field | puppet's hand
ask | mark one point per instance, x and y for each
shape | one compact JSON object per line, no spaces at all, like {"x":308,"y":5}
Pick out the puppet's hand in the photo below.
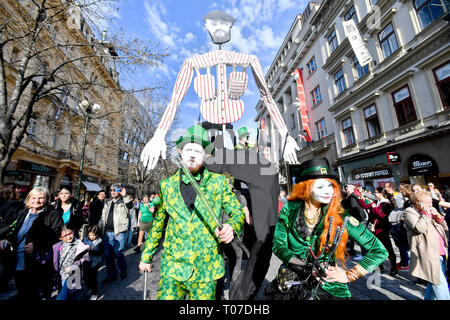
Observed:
{"x":289,"y":151}
{"x":153,"y":149}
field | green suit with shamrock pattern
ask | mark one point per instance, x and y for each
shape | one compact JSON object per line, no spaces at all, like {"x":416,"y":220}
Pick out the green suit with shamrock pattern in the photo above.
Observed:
{"x":191,"y":261}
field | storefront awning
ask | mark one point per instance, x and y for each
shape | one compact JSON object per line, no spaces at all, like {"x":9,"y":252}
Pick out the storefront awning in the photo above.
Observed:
{"x":91,"y":186}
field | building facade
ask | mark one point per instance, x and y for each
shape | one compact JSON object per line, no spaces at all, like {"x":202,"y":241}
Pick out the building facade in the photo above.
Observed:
{"x":389,"y":119}
{"x":301,"y":49}
{"x":391,"y":116}
{"x":50,"y":152}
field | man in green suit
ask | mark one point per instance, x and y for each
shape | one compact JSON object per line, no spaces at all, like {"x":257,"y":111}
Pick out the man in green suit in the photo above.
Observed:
{"x":191,"y":262}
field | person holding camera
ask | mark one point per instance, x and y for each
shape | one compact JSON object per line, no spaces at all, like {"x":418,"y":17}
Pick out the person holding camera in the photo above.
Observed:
{"x":114,"y":226}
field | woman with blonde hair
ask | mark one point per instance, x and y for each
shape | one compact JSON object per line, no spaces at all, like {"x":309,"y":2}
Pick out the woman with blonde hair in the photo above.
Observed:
{"x":428,"y":239}
{"x":34,"y":231}
{"x":303,"y":232}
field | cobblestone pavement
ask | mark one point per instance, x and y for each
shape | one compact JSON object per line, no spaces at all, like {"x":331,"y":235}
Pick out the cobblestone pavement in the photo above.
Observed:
{"x":376,"y":286}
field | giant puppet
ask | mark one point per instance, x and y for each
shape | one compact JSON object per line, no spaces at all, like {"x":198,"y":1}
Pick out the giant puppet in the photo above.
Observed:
{"x":221,"y":105}
{"x":220,"y":97}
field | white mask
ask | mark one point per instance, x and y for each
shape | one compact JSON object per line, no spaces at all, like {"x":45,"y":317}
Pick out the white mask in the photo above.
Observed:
{"x":193,"y":155}
{"x":322,"y":191}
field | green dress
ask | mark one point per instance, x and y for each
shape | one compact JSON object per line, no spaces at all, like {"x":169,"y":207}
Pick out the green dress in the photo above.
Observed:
{"x":289,"y":241}
{"x":191,"y":249}
{"x":146,"y":214}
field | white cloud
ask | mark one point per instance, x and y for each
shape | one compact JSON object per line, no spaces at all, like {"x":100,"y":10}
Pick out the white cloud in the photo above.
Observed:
{"x":192,"y":104}
{"x":189,"y":37}
{"x":286,"y":4}
{"x":160,"y":29}
{"x":268,"y":38}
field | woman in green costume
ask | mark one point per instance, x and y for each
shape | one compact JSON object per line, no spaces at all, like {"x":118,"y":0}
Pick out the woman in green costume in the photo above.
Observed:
{"x":303,"y":229}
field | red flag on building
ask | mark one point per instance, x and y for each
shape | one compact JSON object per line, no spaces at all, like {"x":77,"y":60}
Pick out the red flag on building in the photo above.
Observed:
{"x":301,"y":101}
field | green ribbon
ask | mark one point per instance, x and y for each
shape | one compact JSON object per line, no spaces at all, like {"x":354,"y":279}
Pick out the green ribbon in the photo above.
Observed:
{"x":316,"y":169}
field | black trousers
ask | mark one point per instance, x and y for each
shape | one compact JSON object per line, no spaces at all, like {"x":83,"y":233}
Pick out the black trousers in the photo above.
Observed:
{"x":253,"y":273}
{"x":90,"y":278}
{"x":386,"y":241}
{"x":34,"y":280}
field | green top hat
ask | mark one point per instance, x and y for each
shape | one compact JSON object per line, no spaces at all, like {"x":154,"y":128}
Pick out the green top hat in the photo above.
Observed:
{"x":242,"y":132}
{"x":317,"y":168}
{"x":195,"y":134}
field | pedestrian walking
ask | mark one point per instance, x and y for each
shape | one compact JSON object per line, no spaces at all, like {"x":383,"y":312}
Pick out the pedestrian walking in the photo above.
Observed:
{"x":145,"y":220}
{"x":379,"y":218}
{"x":351,"y":204}
{"x":113,"y":227}
{"x":68,"y":257}
{"x":96,"y":250}
{"x":35,"y":229}
{"x":96,"y":208}
{"x":428,"y":239}
{"x":69,"y":209}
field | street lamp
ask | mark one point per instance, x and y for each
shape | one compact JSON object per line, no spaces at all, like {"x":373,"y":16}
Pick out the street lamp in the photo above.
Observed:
{"x":86,"y":110}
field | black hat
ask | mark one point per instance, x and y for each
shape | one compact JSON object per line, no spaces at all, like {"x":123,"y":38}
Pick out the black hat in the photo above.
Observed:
{"x":317,"y":168}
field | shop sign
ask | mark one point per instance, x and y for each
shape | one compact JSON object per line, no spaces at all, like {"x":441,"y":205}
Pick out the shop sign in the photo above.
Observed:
{"x":376,"y":172}
{"x":421,"y":164}
{"x":393,"y":157}
{"x":12,"y":173}
{"x":36,"y":168}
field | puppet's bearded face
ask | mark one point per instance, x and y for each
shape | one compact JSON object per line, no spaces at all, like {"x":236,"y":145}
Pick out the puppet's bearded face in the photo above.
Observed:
{"x":193,"y":156}
{"x":322,"y":191}
{"x":219,"y":30}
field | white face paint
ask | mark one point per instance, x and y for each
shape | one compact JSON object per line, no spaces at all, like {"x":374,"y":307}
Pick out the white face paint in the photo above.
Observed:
{"x":322,"y":191}
{"x":193,"y":155}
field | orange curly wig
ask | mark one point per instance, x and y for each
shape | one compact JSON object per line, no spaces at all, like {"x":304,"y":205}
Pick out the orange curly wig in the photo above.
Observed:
{"x":302,"y":191}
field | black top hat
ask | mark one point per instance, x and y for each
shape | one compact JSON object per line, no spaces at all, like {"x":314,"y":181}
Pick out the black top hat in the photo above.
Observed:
{"x":317,"y":168}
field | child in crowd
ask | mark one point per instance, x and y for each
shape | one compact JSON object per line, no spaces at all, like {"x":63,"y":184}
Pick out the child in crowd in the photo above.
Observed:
{"x":68,"y":256}
{"x":96,"y":249}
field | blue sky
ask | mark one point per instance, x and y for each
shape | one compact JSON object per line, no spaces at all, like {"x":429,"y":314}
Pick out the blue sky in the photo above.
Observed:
{"x":178,"y":25}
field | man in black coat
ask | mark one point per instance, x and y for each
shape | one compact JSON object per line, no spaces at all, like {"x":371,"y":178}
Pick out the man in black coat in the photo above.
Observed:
{"x":351,"y":205}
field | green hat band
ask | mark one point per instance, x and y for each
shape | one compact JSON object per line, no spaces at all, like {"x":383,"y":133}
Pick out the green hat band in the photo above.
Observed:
{"x":317,"y":169}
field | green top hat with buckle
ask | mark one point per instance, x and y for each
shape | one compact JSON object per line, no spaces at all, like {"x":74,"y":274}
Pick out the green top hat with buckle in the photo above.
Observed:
{"x":195,"y":134}
{"x":242,"y":132}
{"x":317,"y":168}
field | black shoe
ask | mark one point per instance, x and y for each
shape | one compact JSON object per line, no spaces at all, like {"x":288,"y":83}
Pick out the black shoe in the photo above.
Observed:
{"x":108,"y":279}
{"x":393,"y":273}
{"x":123,"y":275}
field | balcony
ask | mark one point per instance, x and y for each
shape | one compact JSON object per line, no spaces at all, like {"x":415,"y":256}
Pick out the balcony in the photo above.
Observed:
{"x":319,"y":146}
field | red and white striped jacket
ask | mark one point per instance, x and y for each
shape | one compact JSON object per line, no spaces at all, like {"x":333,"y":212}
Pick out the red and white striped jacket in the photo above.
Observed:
{"x":221,"y":105}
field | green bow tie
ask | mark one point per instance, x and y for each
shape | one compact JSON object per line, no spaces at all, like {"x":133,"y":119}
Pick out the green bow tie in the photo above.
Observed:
{"x":197,"y":177}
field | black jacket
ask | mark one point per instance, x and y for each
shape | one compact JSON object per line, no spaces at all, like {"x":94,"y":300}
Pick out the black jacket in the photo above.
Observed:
{"x":76,"y":215}
{"x":95,"y":211}
{"x":44,"y":232}
{"x":351,"y":205}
